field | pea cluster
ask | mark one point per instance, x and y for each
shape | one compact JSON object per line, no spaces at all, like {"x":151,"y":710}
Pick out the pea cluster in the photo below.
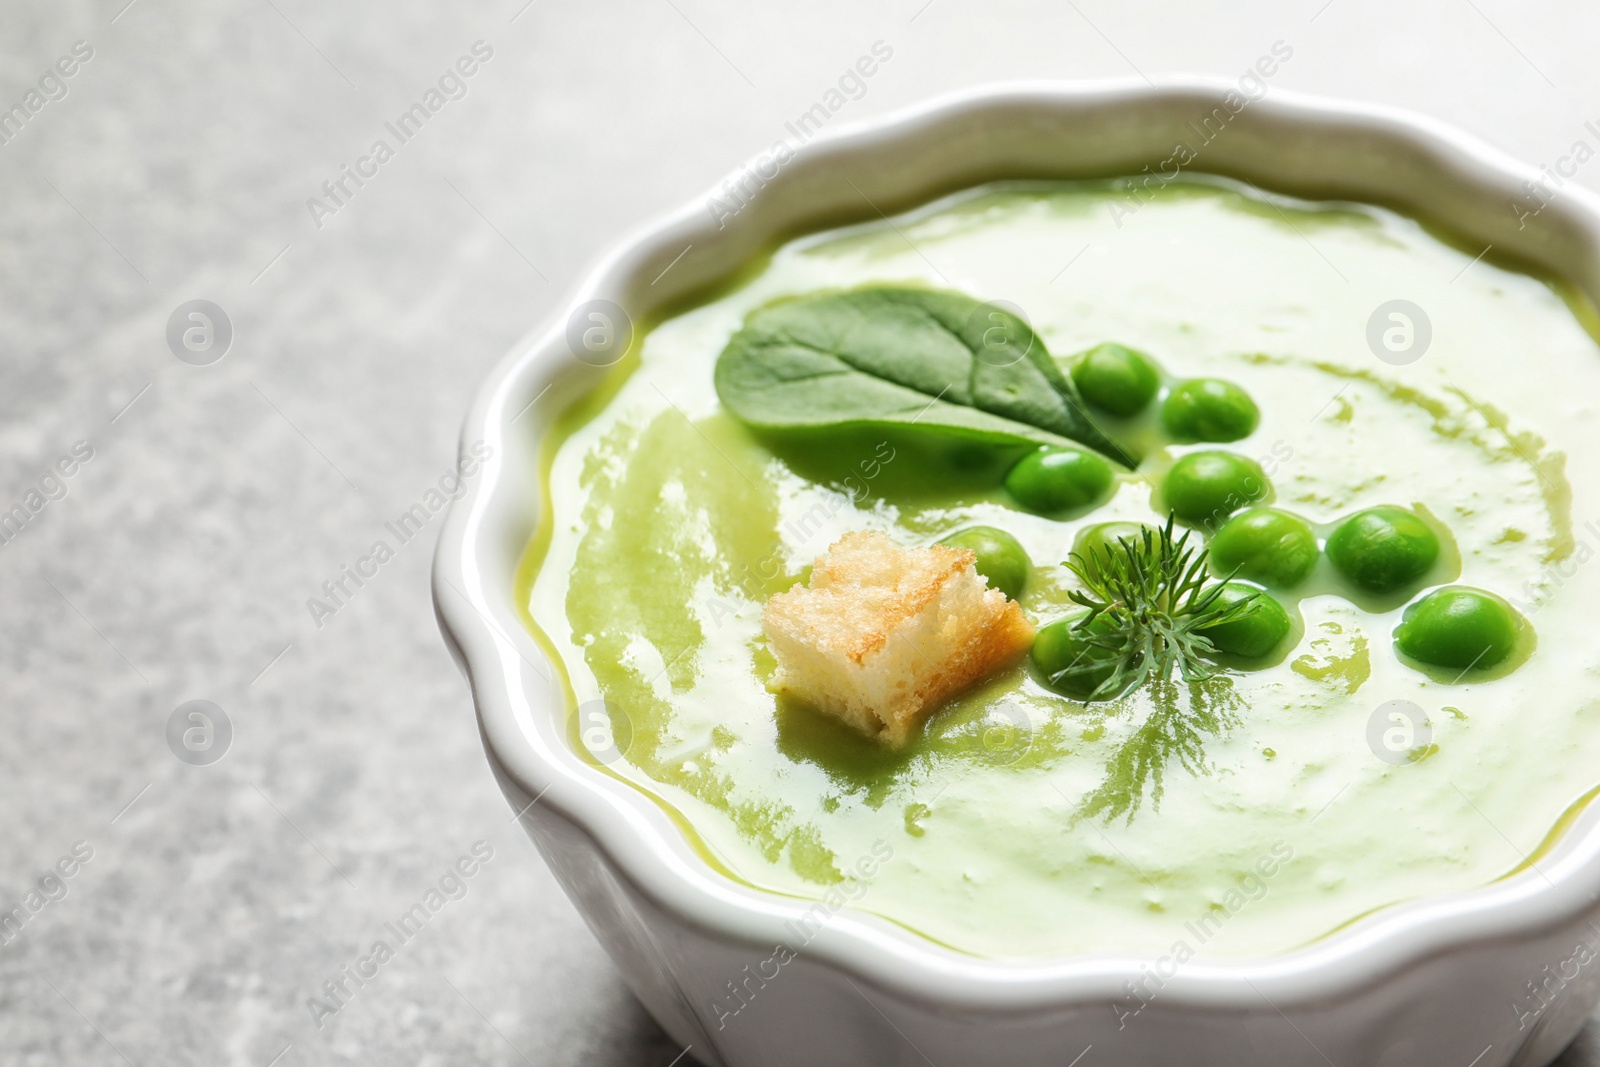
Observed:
{"x":1259,"y":549}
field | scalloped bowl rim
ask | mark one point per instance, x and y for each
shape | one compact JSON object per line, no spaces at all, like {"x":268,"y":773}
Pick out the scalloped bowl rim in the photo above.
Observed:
{"x":642,"y":846}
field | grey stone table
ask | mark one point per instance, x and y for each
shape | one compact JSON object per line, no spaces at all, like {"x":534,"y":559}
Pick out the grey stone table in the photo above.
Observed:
{"x":173,"y":150}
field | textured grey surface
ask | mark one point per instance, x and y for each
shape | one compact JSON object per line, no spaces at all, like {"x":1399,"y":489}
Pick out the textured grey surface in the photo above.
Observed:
{"x":178,"y":564}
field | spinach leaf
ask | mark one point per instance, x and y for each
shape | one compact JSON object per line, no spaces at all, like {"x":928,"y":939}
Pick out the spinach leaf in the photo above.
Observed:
{"x":936,"y":360}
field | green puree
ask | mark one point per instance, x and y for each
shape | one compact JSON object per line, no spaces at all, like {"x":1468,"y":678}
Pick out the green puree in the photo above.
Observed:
{"x":1023,"y":823}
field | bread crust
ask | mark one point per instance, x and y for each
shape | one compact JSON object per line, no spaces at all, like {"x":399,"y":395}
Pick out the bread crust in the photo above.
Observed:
{"x":881,"y":635}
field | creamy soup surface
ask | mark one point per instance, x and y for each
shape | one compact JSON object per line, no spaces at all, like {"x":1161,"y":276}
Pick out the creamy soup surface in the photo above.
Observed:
{"x":1316,"y":801}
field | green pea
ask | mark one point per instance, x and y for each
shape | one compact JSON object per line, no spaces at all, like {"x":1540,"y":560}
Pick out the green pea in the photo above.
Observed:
{"x":1383,"y":548}
{"x":1265,"y":545}
{"x":1257,"y":631}
{"x":1209,"y":409}
{"x":1204,"y":488}
{"x":1118,"y":379}
{"x":1093,"y":542}
{"x":1001,"y":558}
{"x":1067,"y":662}
{"x":1059,"y":479}
{"x":1458,"y":627}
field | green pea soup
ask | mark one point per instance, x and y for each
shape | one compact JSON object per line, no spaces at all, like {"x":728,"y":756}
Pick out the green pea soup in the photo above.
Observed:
{"x":1022,"y":823}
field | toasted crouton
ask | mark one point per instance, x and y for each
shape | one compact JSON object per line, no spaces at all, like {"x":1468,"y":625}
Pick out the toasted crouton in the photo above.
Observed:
{"x":883,"y":634}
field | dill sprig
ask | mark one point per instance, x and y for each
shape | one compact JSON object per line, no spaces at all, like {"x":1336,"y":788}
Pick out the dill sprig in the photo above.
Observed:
{"x":1149,"y":599}
{"x":1180,"y":721}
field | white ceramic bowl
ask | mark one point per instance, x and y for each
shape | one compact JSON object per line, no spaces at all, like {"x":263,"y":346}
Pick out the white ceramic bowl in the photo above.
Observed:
{"x":1438,"y":981}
